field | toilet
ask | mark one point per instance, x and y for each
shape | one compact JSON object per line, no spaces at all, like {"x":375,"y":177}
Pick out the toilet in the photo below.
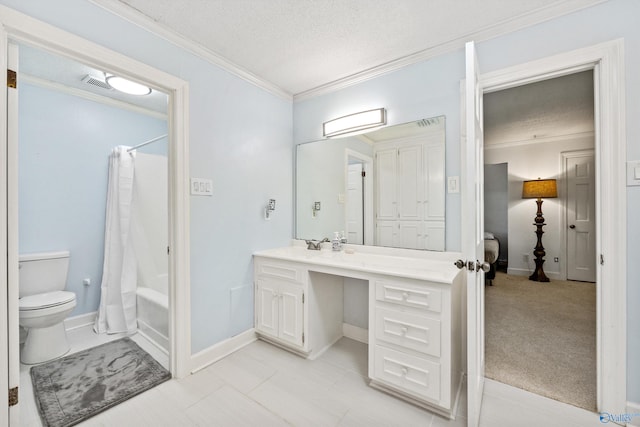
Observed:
{"x":44,"y":305}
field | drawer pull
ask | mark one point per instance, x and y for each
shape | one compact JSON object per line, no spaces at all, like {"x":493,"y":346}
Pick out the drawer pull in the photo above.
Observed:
{"x":403,"y":331}
{"x":405,"y":371}
{"x":405,"y":296}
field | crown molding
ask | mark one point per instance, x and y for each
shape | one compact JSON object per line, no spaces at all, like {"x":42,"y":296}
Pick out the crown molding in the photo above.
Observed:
{"x":504,"y":27}
{"x":139,"y":19}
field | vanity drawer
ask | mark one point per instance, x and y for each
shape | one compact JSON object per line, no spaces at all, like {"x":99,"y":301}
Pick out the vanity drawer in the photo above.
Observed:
{"x":409,"y":294}
{"x":279,"y":271}
{"x":408,"y":330}
{"x":412,"y":374}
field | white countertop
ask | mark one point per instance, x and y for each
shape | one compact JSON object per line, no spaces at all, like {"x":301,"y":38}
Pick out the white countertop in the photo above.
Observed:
{"x":421,"y":265}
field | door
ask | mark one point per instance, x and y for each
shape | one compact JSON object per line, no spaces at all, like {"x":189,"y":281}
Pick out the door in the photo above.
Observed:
{"x":355,"y":204}
{"x":386,"y":184}
{"x":472,"y":234}
{"x":581,"y":224}
{"x":267,"y":307}
{"x":291,"y":321}
{"x":410,"y":178}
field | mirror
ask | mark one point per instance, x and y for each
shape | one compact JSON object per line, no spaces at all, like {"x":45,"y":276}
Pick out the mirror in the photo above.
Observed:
{"x":383,"y":188}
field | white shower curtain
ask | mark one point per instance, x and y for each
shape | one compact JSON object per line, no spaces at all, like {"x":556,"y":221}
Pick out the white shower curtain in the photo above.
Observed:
{"x":117,"y":311}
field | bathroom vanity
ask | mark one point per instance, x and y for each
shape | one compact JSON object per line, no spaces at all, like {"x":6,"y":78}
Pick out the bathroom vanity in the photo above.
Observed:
{"x":415,"y":325}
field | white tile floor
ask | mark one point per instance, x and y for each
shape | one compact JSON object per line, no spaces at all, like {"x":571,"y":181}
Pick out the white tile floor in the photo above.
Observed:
{"x":262,"y":385}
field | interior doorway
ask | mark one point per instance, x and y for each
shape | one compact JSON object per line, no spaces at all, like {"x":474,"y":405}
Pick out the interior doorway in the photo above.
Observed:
{"x":22,"y":29}
{"x":548,"y":134}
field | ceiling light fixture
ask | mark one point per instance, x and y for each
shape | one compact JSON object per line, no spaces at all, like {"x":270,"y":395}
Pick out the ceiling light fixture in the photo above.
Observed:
{"x":127,"y":86}
{"x":354,"y":124}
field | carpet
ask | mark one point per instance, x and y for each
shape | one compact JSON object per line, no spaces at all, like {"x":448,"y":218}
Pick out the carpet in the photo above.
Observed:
{"x":541,"y":337}
{"x":76,"y":387}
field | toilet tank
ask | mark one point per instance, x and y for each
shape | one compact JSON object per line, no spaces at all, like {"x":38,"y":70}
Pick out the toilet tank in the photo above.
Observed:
{"x":42,"y":272}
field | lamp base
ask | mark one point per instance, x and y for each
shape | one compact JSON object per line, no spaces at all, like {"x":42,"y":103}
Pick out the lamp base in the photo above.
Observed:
{"x":539,"y":276}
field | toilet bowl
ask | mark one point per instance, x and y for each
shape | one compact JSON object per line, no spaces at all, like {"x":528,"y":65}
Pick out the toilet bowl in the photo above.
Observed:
{"x":43,"y":305}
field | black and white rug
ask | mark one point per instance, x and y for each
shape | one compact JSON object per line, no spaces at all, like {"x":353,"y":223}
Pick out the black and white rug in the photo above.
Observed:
{"x":76,"y":387}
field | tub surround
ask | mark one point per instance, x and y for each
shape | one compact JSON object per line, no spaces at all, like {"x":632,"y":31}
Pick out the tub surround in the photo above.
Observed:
{"x":415,"y":331}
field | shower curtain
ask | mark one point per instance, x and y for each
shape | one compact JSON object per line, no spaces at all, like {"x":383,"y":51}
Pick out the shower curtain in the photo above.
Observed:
{"x":117,"y":311}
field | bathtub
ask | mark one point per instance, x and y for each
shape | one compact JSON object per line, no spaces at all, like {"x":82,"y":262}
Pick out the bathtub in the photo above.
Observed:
{"x":153,"y":316}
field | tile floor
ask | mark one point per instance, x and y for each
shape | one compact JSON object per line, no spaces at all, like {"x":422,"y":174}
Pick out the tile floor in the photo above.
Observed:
{"x":262,"y":385}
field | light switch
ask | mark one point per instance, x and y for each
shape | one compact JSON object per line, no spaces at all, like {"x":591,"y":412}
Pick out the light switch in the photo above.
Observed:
{"x":633,"y":173}
{"x":340,"y":197}
{"x":201,"y":187}
{"x":453,"y":184}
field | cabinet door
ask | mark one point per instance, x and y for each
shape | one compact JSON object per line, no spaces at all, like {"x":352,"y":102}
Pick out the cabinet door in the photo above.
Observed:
{"x":410,"y":235}
{"x":291,"y":313}
{"x":386,"y":165}
{"x":386,"y":232}
{"x":410,"y":182}
{"x":267,"y":307}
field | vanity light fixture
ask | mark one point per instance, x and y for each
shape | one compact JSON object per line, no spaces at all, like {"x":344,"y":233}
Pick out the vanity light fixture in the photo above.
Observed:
{"x":127,"y":86}
{"x":354,"y":124}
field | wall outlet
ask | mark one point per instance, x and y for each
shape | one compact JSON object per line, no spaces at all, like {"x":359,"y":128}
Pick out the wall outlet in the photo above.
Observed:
{"x":201,"y":187}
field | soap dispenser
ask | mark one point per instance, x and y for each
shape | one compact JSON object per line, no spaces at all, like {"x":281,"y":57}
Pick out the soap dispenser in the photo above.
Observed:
{"x":343,"y":238}
{"x":335,"y":243}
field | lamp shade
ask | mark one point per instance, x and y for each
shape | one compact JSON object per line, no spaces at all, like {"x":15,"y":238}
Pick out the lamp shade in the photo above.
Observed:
{"x":355,"y":123}
{"x":540,"y":189}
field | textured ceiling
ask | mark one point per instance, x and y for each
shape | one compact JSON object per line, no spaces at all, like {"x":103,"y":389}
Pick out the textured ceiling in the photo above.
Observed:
{"x":560,"y":106}
{"x":299,"y":45}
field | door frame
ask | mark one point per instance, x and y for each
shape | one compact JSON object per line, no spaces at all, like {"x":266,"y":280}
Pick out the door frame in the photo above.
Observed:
{"x":22,"y":28}
{"x":367,"y":192}
{"x":564,"y":195}
{"x":607,"y":61}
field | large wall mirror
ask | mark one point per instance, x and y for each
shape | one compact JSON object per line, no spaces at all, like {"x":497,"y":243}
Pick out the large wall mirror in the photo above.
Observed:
{"x":383,"y":188}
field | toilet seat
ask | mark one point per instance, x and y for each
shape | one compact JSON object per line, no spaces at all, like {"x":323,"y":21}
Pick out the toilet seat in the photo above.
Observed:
{"x":45,"y":300}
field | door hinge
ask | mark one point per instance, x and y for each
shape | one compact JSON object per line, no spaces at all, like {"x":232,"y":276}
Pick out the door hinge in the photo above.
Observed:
{"x":13,"y":396}
{"x":303,"y":298}
{"x":303,"y":338}
{"x":12,"y":79}
{"x":364,"y":174}
{"x":601,"y":259}
{"x":168,"y":252}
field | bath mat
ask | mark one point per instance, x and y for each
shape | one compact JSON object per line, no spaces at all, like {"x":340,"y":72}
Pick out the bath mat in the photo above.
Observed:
{"x":76,"y":387}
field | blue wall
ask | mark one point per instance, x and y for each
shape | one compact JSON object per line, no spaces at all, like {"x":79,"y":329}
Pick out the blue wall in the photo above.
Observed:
{"x":431,"y":88}
{"x":239,"y":136}
{"x":64,"y":144}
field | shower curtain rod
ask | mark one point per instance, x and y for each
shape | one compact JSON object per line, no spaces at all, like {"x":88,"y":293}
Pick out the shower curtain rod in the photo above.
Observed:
{"x":147,"y":142}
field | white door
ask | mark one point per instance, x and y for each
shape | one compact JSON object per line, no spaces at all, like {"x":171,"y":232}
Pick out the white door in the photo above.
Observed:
{"x":410,"y":178}
{"x":386,"y":163}
{"x":472,"y":234}
{"x":267,"y":307}
{"x":581,"y":224}
{"x":355,"y":204}
{"x":291,"y":321}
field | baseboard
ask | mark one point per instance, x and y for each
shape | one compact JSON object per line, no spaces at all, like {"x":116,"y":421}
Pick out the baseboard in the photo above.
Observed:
{"x":210,"y":355}
{"x":526,"y":272}
{"x":80,"y":321}
{"x":355,"y":333}
{"x":633,"y":410}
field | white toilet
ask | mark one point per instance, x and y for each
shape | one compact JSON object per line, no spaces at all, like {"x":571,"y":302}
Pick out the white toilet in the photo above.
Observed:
{"x":44,"y":305}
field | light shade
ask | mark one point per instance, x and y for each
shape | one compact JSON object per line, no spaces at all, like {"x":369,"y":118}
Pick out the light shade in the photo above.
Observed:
{"x":355,"y":123}
{"x":540,"y":189}
{"x":127,"y":86}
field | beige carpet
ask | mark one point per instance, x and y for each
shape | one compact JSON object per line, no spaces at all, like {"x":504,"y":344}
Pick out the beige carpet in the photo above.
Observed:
{"x":541,"y":337}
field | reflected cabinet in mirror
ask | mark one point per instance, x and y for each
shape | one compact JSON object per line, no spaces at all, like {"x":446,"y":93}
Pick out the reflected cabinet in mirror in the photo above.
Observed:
{"x":384,"y":188}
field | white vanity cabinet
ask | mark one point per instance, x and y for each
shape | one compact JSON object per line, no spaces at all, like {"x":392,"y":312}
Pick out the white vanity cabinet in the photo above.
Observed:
{"x":280,"y":290}
{"x":415,"y":330}
{"x":415,"y":340}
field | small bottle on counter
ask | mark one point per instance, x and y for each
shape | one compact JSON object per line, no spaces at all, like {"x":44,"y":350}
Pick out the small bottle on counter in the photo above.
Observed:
{"x":335,"y":243}
{"x":343,"y":238}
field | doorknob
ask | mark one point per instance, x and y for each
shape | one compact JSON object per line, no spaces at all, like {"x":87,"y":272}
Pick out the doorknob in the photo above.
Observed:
{"x":460,"y":264}
{"x":484,"y":266}
{"x":572,"y":226}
